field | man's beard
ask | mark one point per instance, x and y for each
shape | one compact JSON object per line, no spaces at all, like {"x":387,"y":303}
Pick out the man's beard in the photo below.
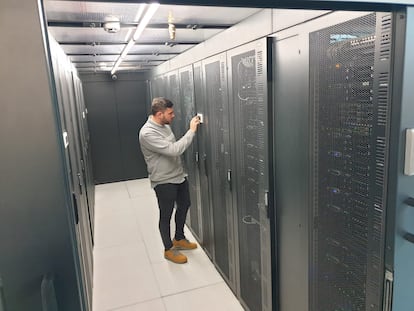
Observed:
{"x":165,"y":121}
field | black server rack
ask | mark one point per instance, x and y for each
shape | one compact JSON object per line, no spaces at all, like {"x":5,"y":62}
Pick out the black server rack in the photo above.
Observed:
{"x":206,"y":230}
{"x":82,"y":112}
{"x":291,"y":169}
{"x":350,"y":69}
{"x":218,"y":160}
{"x":248,"y":73}
{"x":158,"y":87}
{"x":73,"y":157}
{"x":191,"y":157}
{"x":172,"y":92}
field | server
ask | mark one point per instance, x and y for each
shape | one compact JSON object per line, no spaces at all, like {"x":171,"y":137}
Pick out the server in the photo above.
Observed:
{"x":328,"y":146}
{"x":230,"y":167}
{"x":346,"y":128}
{"x":314,"y":148}
{"x":46,"y":238}
{"x":248,"y":76}
{"x":205,"y":194}
{"x":75,"y":160}
{"x":351,"y":79}
{"x":191,"y":156}
{"x":218,"y":159}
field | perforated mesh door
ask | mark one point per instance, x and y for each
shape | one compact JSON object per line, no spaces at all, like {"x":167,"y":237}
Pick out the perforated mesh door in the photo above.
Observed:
{"x":350,"y":83}
{"x":158,"y":87}
{"x":250,"y":123}
{"x":173,"y":92}
{"x":188,"y":112}
{"x":218,"y":126}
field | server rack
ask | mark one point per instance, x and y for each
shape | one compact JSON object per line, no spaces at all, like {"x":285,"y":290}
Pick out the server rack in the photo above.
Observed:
{"x":203,"y":133}
{"x":350,"y":81}
{"x":81,"y":113}
{"x":191,"y":157}
{"x":231,"y":170}
{"x":323,"y":88}
{"x":247,"y":75}
{"x":218,"y":161}
{"x":173,"y":93}
{"x":290,"y":60}
{"x":73,"y":158}
{"x":158,"y":87}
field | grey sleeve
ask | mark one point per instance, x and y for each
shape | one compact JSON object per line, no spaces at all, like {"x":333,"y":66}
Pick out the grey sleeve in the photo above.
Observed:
{"x":157,"y":143}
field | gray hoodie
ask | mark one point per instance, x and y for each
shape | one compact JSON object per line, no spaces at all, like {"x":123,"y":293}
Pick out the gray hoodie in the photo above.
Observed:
{"x":162,"y":152}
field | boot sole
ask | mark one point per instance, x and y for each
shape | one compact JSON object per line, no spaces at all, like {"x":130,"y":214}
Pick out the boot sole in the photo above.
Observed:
{"x":183,"y":248}
{"x":177,"y":262}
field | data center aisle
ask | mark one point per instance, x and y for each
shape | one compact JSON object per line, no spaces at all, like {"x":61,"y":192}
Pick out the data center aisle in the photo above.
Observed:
{"x":130,"y":272}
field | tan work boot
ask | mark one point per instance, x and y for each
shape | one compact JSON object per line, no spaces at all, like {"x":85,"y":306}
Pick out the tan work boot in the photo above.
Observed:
{"x":175,"y":256}
{"x":184,"y":244}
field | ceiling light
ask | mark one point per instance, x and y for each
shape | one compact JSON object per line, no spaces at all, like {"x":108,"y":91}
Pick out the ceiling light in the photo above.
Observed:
{"x":136,"y":19}
{"x":138,"y":31}
{"x":127,"y":48}
{"x":139,"y":13}
{"x":128,"y":34}
{"x":145,"y":20}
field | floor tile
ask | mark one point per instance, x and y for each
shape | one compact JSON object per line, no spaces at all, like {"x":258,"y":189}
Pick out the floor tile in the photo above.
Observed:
{"x":118,"y":228}
{"x":122,"y":276}
{"x":130,"y":271}
{"x":139,"y":187}
{"x":146,"y":214}
{"x":153,"y":305}
{"x":213,"y":297}
{"x":113,"y":205}
{"x":155,"y":249}
{"x":112,"y":191}
{"x":147,"y":206}
{"x":197,"y":272}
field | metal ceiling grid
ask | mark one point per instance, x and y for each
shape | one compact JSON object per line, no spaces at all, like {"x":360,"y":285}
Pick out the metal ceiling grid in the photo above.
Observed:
{"x":78,"y":26}
{"x":80,"y":11}
{"x":117,"y":48}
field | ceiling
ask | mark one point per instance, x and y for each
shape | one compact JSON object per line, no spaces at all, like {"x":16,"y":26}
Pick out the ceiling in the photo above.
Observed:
{"x":78,"y":26}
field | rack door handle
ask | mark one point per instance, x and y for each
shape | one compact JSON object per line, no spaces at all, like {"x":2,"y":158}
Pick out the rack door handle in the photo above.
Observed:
{"x":80,"y":183}
{"x":229,"y":178}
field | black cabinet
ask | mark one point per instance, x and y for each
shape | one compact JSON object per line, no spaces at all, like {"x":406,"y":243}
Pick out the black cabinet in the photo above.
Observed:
{"x":116,"y":112}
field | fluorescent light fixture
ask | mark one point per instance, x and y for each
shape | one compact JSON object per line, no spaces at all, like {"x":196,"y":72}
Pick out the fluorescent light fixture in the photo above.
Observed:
{"x":128,"y":34}
{"x":140,"y":11}
{"x":136,"y":19}
{"x":127,"y":48}
{"x":145,"y":20}
{"x":118,"y":62}
{"x":138,"y":31}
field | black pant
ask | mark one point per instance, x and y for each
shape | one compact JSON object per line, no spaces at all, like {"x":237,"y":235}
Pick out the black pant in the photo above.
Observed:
{"x":167,"y":195}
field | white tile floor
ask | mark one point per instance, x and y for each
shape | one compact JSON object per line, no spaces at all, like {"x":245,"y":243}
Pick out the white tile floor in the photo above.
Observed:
{"x":130,"y":272}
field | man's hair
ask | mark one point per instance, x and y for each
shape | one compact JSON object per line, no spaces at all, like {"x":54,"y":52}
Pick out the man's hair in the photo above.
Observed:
{"x":160,"y":104}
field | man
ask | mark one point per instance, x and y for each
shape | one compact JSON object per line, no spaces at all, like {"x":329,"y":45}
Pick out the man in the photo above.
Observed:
{"x":162,"y":154}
